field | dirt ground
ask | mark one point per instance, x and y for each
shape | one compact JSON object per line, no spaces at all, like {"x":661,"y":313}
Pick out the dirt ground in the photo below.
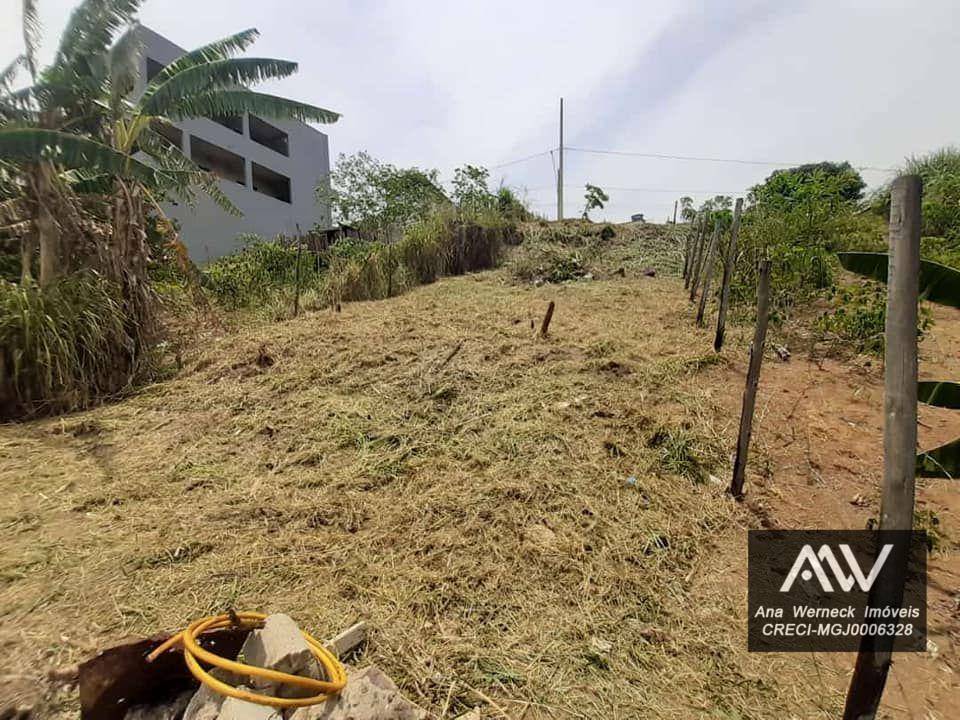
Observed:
{"x":528,"y":525}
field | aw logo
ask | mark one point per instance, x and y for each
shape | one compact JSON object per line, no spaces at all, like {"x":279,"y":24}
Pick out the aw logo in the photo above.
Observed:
{"x":824,"y":590}
{"x":825,"y":556}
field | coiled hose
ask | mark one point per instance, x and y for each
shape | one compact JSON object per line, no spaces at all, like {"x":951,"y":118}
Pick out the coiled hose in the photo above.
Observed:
{"x":193,"y":654}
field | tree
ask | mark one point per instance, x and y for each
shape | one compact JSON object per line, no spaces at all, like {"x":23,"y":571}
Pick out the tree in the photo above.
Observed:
{"x":377,"y":196}
{"x":595,"y":198}
{"x":470,"y":190}
{"x":76,"y":130}
{"x":92,"y":163}
{"x":836,"y":181}
{"x":687,"y":211}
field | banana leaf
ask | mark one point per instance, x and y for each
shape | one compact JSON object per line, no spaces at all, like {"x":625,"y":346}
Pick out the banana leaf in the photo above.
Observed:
{"x":938,"y":283}
{"x":943,"y":461}
{"x":939,"y":393}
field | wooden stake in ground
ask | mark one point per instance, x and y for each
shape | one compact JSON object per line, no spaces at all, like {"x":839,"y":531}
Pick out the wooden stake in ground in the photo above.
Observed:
{"x":296,"y":294}
{"x":899,"y":432}
{"x":545,"y":326}
{"x":753,"y":378}
{"x":708,"y":274}
{"x":696,"y":250}
{"x":728,"y":276}
{"x":702,"y":261}
{"x":688,"y":251}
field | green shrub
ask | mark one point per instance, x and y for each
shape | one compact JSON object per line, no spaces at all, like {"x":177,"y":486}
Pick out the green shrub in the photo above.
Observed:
{"x":858,"y":316}
{"x":64,"y":347}
{"x":248,"y":277}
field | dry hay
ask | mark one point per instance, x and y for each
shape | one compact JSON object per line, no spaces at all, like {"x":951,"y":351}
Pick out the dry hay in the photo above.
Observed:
{"x":424,"y":463}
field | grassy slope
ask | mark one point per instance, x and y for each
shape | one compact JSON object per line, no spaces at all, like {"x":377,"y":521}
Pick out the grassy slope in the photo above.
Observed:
{"x":472,"y":505}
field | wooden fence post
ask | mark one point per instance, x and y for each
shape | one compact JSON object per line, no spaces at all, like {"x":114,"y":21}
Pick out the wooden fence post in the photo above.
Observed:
{"x":701,"y":262}
{"x":899,"y":431}
{"x":708,"y":267}
{"x":296,"y":295}
{"x":695,"y":252}
{"x":728,"y":277}
{"x":753,"y":378}
{"x":545,"y":326}
{"x":687,"y":250}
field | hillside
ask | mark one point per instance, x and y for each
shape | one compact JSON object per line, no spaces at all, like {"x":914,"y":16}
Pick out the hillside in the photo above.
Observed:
{"x":528,"y":524}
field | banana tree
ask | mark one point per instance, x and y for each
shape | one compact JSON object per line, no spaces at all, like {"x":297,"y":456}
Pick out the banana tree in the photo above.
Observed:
{"x":939,"y":284}
{"x":79,"y":115}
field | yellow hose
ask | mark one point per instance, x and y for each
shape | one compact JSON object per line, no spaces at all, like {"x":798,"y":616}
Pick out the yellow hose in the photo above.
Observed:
{"x":193,"y":654}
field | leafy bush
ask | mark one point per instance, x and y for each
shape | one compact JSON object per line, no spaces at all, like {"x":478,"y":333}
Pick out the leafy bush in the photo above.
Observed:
{"x":247,"y":277}
{"x":798,"y":218}
{"x":64,"y":347}
{"x":859,"y":314}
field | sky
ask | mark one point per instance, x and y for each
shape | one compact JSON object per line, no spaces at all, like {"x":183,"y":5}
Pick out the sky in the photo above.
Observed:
{"x":437,"y":84}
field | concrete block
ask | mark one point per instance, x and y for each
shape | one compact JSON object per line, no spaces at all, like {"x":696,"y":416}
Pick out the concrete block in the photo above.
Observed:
{"x":347,"y":641}
{"x":234,"y":709}
{"x":369,"y":695}
{"x":279,"y":645}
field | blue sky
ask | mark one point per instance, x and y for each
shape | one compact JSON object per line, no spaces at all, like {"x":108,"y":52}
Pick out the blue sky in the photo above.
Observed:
{"x":439,"y":84}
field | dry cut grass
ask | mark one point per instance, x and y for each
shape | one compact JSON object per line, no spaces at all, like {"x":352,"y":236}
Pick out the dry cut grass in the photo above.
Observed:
{"x":520,"y":520}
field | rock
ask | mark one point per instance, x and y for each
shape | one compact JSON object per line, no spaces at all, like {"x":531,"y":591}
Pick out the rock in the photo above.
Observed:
{"x":167,"y":711}
{"x":601,"y":646}
{"x":782,"y":352}
{"x":279,"y":645}
{"x":649,"y":272}
{"x":369,"y":695}
{"x":234,"y":709}
{"x":204,"y":705}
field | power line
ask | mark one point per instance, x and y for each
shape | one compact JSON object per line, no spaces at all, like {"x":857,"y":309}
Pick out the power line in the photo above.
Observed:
{"x":661,"y":156}
{"x":520,"y":160}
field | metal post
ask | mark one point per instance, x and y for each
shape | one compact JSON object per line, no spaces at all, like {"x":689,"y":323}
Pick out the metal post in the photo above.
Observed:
{"x":560,"y":173}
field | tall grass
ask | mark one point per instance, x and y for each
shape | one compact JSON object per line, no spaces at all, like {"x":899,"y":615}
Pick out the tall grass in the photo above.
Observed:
{"x":252,"y":275}
{"x":64,"y":347}
{"x":440,"y":244}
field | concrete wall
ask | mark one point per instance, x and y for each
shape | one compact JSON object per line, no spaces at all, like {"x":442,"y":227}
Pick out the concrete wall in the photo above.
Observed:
{"x":209,"y":232}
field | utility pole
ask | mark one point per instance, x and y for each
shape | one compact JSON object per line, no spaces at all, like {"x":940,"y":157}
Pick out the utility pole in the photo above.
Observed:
{"x":675,"y":211}
{"x":560,"y":173}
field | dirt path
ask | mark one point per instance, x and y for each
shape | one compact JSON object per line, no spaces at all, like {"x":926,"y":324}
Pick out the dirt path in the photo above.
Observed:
{"x":525,"y":518}
{"x":819,"y":464}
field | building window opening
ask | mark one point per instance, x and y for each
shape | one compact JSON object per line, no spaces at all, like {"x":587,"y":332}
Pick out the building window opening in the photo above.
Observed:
{"x":153,"y":68}
{"x":271,"y":183}
{"x":222,"y":163}
{"x":269,"y":136}
{"x":232,"y":122}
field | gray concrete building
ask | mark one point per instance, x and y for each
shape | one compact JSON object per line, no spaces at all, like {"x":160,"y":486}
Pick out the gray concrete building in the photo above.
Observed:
{"x":269,"y":169}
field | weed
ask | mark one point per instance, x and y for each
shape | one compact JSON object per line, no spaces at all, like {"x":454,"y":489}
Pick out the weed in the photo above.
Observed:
{"x":858,"y":317}
{"x":681,"y":452}
{"x":65,"y":346}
